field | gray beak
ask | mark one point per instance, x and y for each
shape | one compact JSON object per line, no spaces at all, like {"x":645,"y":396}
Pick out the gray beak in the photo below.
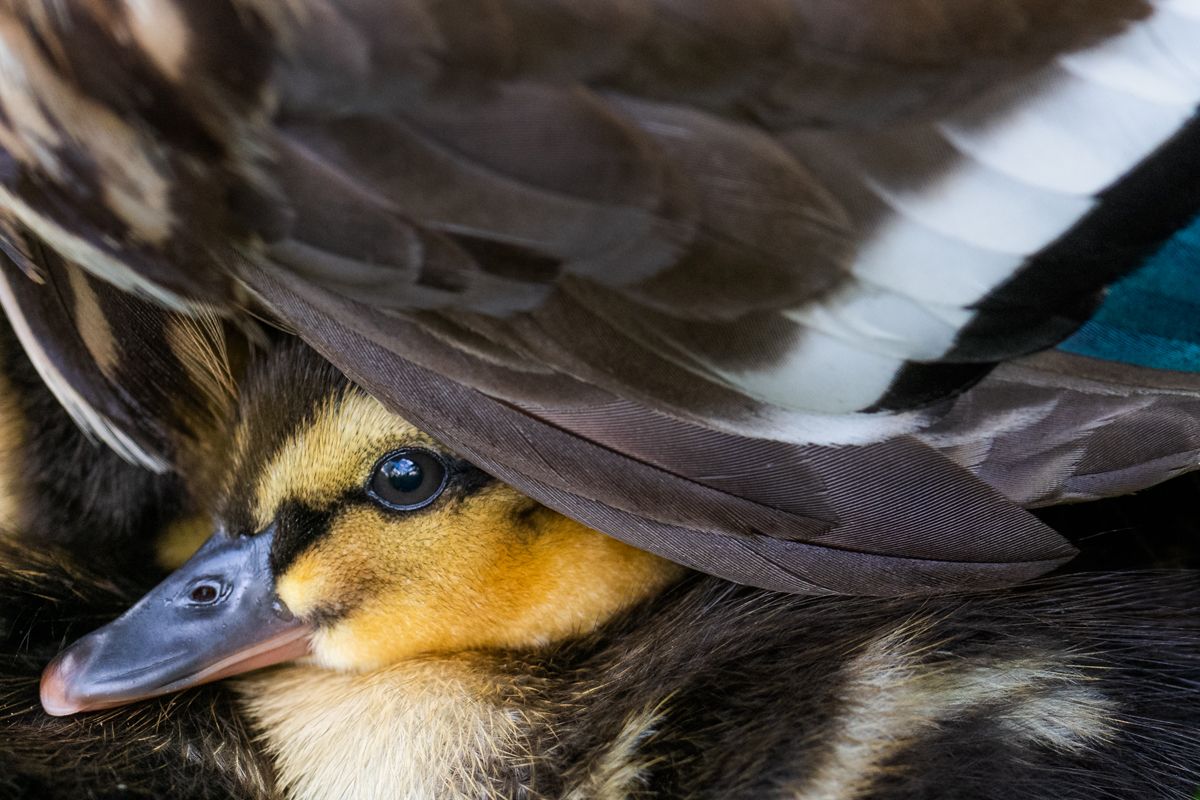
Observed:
{"x":215,"y":616}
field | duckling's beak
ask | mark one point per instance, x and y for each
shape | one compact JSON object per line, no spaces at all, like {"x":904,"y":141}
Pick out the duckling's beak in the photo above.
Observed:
{"x":215,"y":616}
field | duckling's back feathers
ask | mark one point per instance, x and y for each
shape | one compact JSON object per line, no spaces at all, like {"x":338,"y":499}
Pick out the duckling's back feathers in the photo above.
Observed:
{"x":1071,"y":687}
{"x":1075,"y":687}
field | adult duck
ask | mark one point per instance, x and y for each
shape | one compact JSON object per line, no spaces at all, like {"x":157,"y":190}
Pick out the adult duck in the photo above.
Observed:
{"x":714,"y":279}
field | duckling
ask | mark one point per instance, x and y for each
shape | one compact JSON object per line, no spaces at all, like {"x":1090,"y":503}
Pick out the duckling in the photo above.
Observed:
{"x":718,"y":285}
{"x":335,"y":512}
{"x":461,"y":640}
{"x":1075,"y":687}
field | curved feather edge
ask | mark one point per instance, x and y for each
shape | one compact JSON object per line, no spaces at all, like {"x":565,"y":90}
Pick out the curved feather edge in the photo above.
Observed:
{"x":1058,"y":427}
{"x":819,"y":555}
{"x":83,"y":411}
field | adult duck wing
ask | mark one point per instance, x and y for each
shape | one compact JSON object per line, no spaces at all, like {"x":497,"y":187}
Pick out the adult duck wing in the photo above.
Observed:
{"x":798,"y":225}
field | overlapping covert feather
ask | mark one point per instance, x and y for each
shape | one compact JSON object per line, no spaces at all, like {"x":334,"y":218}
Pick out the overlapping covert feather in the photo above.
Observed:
{"x":747,"y":231}
{"x":1057,"y":427}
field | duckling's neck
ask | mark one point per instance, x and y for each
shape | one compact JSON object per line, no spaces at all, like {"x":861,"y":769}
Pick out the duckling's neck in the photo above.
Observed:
{"x":422,"y":728}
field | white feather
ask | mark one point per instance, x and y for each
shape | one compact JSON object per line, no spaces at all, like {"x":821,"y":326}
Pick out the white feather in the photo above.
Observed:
{"x":820,"y":373}
{"x":1158,"y":60}
{"x":1074,"y":137}
{"x":984,"y":208}
{"x":798,"y":427}
{"x":1185,"y":8}
{"x":885,"y":322}
{"x":1034,"y":158}
{"x":929,"y":266}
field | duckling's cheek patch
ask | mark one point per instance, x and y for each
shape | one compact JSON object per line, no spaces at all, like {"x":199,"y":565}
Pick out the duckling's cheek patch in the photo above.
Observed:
{"x":469,"y":580}
{"x":326,"y":573}
{"x":305,"y":587}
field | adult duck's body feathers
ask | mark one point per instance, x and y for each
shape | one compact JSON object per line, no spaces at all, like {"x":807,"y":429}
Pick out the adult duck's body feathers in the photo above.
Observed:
{"x":700,"y":282}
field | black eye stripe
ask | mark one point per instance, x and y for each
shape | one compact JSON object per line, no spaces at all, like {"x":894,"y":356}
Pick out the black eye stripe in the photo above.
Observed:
{"x":299,"y":526}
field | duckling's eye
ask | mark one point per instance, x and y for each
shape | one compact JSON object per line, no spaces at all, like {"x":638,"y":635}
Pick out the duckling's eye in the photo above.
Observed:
{"x":407,"y":479}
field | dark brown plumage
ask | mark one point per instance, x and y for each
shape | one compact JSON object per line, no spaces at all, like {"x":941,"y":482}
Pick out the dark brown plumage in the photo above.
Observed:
{"x":535,"y":228}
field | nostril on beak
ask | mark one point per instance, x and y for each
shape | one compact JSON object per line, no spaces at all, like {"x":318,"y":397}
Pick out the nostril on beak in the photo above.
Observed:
{"x":204,"y":593}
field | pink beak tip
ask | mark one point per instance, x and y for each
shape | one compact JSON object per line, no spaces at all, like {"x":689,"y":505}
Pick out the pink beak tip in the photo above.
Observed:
{"x":55,"y":695}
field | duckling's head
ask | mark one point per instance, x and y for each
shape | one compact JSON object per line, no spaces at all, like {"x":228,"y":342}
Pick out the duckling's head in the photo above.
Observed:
{"x":345,"y":533}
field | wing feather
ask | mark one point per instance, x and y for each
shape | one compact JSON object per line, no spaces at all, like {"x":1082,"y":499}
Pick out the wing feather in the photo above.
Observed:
{"x":772,"y":227}
{"x":834,"y":520}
